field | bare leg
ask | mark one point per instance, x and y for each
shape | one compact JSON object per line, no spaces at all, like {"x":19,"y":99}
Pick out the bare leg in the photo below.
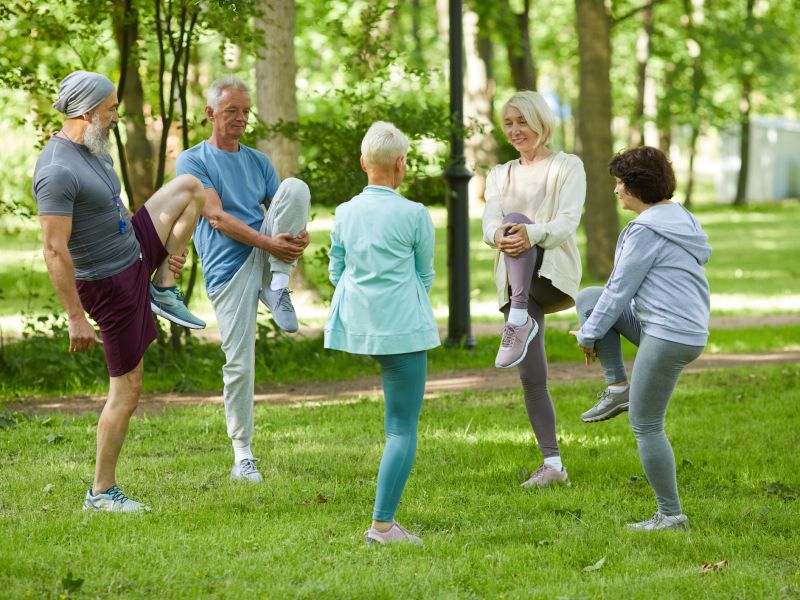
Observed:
{"x":174,"y":210}
{"x":123,"y":398}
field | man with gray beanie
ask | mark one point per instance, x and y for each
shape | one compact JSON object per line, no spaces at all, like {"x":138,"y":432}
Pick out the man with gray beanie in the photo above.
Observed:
{"x":100,"y":259}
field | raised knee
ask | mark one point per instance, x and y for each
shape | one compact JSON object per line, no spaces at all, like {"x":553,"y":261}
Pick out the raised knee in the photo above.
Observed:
{"x":587,"y":299}
{"x":516,"y":218}
{"x":192,"y":188}
{"x":297,"y":189}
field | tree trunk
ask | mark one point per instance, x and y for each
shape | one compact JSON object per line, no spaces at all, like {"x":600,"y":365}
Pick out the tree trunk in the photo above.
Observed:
{"x":520,"y":55}
{"x":744,"y":120}
{"x":481,"y":147}
{"x":594,"y":130}
{"x":693,"y":12}
{"x":643,"y":51}
{"x":744,"y":145}
{"x":690,"y":178}
{"x":138,"y":150}
{"x":275,"y":83}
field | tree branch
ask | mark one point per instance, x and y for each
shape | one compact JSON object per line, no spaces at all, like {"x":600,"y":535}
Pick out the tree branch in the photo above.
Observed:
{"x":634,"y":11}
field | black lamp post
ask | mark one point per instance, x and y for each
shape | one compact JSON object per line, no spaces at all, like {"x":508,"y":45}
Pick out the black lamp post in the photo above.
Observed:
{"x":459,"y":329}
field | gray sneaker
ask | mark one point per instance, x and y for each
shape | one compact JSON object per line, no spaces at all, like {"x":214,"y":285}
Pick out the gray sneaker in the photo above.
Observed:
{"x":396,"y":533}
{"x":169,"y":304}
{"x":113,"y":500}
{"x":659,"y":521}
{"x":545,"y":476}
{"x":246,"y":470}
{"x":514,"y":344}
{"x":608,"y":405}
{"x":280,"y":305}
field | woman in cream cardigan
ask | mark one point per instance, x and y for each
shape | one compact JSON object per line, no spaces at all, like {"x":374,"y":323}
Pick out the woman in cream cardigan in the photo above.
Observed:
{"x":381,"y":262}
{"x":533,"y":208}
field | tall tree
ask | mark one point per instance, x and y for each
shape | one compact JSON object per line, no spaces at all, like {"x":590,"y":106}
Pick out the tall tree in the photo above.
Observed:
{"x":594,"y":133}
{"x":520,"y":54}
{"x":693,"y":13}
{"x":137,"y":152}
{"x":744,"y":116}
{"x":643,"y":52}
{"x":275,"y":82}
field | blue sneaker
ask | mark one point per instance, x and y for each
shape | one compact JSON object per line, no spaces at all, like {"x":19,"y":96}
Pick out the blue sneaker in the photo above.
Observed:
{"x":280,"y":305}
{"x":113,"y":500}
{"x":169,"y":304}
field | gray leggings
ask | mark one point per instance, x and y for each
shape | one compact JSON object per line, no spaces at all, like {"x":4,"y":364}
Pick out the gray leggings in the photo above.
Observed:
{"x":656,"y":370}
{"x":530,"y":291}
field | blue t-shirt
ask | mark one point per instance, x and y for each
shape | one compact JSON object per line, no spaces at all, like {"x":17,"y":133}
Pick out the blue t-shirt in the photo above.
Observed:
{"x":244,"y":181}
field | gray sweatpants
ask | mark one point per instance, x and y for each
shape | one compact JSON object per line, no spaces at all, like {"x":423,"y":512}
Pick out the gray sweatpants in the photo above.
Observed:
{"x":532,"y":292}
{"x":236,"y":305}
{"x":656,"y":370}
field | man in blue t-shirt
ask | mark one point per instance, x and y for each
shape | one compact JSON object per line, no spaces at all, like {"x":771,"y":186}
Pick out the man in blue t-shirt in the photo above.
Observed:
{"x":247,"y":256}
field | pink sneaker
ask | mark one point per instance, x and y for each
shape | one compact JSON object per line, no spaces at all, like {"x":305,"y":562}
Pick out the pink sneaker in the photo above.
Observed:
{"x":396,"y":533}
{"x":514,"y":345}
{"x":545,"y":476}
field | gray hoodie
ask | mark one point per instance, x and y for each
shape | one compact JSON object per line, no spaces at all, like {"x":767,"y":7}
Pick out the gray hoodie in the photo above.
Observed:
{"x":658,"y":271}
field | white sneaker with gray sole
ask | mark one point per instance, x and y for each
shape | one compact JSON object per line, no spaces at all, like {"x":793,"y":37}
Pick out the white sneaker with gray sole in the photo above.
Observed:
{"x":113,"y":500}
{"x":246,"y":470}
{"x":660,"y":521}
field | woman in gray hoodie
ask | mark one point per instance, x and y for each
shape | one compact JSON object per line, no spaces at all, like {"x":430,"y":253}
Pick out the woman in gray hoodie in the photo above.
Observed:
{"x":658,"y":298}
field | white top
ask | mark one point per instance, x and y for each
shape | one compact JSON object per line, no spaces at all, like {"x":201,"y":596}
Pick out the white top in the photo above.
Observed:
{"x":555,"y":220}
{"x":526,"y":186}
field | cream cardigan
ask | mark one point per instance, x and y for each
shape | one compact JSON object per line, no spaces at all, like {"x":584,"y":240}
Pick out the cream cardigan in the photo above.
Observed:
{"x":554,"y":224}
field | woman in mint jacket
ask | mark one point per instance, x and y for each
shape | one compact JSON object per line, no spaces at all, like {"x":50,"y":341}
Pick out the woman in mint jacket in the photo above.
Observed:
{"x":381,"y":262}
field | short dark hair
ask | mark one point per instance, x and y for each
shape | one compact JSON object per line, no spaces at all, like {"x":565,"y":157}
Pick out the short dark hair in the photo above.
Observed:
{"x":646,"y":172}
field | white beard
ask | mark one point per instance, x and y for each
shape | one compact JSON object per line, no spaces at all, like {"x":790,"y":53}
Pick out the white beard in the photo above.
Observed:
{"x":95,"y":138}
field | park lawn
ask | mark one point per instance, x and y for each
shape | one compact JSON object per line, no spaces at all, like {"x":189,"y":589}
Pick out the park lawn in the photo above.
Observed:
{"x":735,"y":434}
{"x":42,"y":367}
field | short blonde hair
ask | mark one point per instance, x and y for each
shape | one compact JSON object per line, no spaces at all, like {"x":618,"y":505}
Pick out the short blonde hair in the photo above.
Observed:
{"x":536,"y":113}
{"x":382,"y":144}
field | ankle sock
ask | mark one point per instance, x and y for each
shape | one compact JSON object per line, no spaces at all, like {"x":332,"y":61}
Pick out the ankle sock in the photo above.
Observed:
{"x":554,"y":462}
{"x":518,"y":316}
{"x":279,"y":281}
{"x":617,"y":389}
{"x":240,"y":453}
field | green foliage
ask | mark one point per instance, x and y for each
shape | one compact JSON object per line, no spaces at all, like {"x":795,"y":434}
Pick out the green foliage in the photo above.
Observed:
{"x":485,"y":536}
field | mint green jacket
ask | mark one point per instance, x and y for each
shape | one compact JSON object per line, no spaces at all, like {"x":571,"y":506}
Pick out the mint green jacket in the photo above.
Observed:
{"x":381,"y":262}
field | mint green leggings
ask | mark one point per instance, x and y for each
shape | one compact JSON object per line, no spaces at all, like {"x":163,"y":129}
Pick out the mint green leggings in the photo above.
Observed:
{"x":403,"y":378}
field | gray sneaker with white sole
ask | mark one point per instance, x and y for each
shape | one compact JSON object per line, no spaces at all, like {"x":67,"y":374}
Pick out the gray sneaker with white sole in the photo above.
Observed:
{"x":608,"y":406}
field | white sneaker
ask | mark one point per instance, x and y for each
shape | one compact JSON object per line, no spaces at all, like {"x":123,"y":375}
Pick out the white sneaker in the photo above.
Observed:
{"x":246,"y":470}
{"x":396,"y":533}
{"x":660,"y":521}
{"x":113,"y":500}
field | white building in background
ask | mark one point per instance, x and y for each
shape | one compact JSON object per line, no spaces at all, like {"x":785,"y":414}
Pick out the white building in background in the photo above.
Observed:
{"x":774,"y":171}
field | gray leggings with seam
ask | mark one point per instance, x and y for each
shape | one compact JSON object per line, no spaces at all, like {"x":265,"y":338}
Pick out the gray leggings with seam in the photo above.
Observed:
{"x":532,"y":292}
{"x":656,"y":370}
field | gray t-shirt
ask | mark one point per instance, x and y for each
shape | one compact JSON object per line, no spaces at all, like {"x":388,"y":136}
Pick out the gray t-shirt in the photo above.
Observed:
{"x":70,"y":181}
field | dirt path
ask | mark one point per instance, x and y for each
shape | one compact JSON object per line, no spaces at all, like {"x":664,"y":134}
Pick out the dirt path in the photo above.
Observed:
{"x":444,"y":382}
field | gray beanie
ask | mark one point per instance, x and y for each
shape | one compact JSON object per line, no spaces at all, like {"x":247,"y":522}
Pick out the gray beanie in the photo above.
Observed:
{"x":81,"y":91}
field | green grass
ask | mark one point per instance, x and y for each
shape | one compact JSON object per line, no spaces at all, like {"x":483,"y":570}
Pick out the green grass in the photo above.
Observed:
{"x":734,"y":434}
{"x":41,"y":366}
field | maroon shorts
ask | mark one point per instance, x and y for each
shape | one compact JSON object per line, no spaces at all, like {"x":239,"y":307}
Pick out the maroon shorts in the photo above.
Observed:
{"x":120,"y":304}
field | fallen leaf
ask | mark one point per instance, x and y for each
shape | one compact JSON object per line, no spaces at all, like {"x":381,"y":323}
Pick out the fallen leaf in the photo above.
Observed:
{"x":54,"y":438}
{"x":706,"y":568}
{"x":596,"y":566}
{"x":48,"y":488}
{"x":321,"y":499}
